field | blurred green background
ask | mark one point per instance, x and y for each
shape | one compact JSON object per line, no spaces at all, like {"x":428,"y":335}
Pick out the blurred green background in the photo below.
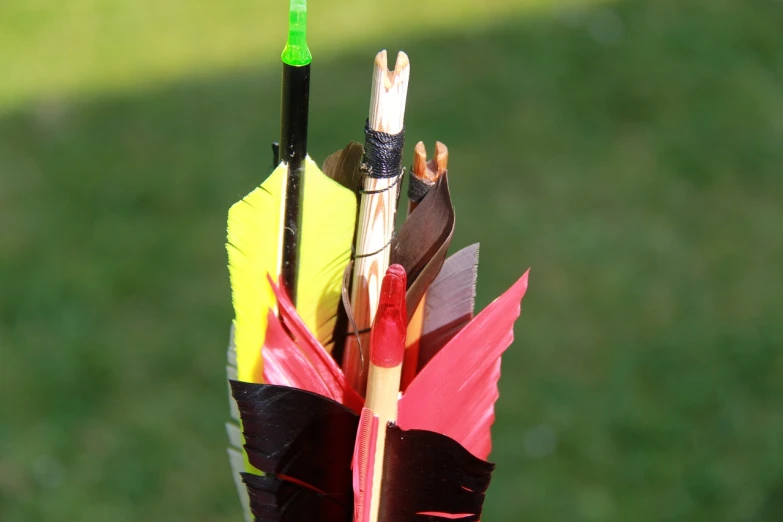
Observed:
{"x":628,"y":151}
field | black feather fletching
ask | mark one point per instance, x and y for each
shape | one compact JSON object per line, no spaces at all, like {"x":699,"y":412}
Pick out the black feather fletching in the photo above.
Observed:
{"x":426,"y":472}
{"x":275,"y":500}
{"x":299,"y":436}
{"x":304,"y":444}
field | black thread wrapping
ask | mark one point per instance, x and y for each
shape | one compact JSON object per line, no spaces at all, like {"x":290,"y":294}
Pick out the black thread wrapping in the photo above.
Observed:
{"x":382,"y":152}
{"x":384,"y":247}
{"x":418,"y":188}
{"x":360,"y":332}
{"x":381,"y":191}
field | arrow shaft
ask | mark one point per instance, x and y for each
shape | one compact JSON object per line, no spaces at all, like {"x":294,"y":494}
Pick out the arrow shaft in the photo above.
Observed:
{"x":293,"y":151}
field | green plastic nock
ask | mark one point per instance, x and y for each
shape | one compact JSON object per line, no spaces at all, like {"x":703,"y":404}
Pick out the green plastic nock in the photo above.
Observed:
{"x":296,"y":52}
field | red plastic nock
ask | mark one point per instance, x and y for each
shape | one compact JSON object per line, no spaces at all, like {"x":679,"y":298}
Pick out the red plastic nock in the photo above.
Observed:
{"x":387,"y":340}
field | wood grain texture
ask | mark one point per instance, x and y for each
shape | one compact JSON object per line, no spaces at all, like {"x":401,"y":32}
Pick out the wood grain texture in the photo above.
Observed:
{"x":389,"y":93}
{"x":377,"y":210}
{"x":375,"y":229}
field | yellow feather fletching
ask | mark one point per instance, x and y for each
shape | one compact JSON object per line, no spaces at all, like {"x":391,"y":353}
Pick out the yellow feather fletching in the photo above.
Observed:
{"x":254,"y":236}
{"x":254,"y":247}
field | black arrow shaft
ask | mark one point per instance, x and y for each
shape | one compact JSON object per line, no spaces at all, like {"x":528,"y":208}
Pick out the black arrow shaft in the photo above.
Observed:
{"x":293,"y":151}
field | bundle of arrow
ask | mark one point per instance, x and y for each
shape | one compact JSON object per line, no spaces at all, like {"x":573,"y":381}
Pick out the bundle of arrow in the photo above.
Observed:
{"x":362,"y":384}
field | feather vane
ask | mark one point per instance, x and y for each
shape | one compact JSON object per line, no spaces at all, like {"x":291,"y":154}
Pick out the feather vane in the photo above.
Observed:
{"x":455,"y":393}
{"x":254,"y":252}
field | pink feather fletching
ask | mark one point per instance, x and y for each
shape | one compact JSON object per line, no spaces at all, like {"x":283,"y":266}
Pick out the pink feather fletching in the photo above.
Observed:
{"x":302,"y":362}
{"x":454,"y":394}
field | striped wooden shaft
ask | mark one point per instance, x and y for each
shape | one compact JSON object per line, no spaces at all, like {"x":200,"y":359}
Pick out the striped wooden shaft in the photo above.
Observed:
{"x":375,"y":229}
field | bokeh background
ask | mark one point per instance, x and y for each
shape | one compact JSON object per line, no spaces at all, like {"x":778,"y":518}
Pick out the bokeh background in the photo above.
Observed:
{"x":629,"y":151}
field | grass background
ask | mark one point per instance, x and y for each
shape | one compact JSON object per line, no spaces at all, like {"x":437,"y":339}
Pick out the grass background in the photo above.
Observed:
{"x":629,"y":152}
